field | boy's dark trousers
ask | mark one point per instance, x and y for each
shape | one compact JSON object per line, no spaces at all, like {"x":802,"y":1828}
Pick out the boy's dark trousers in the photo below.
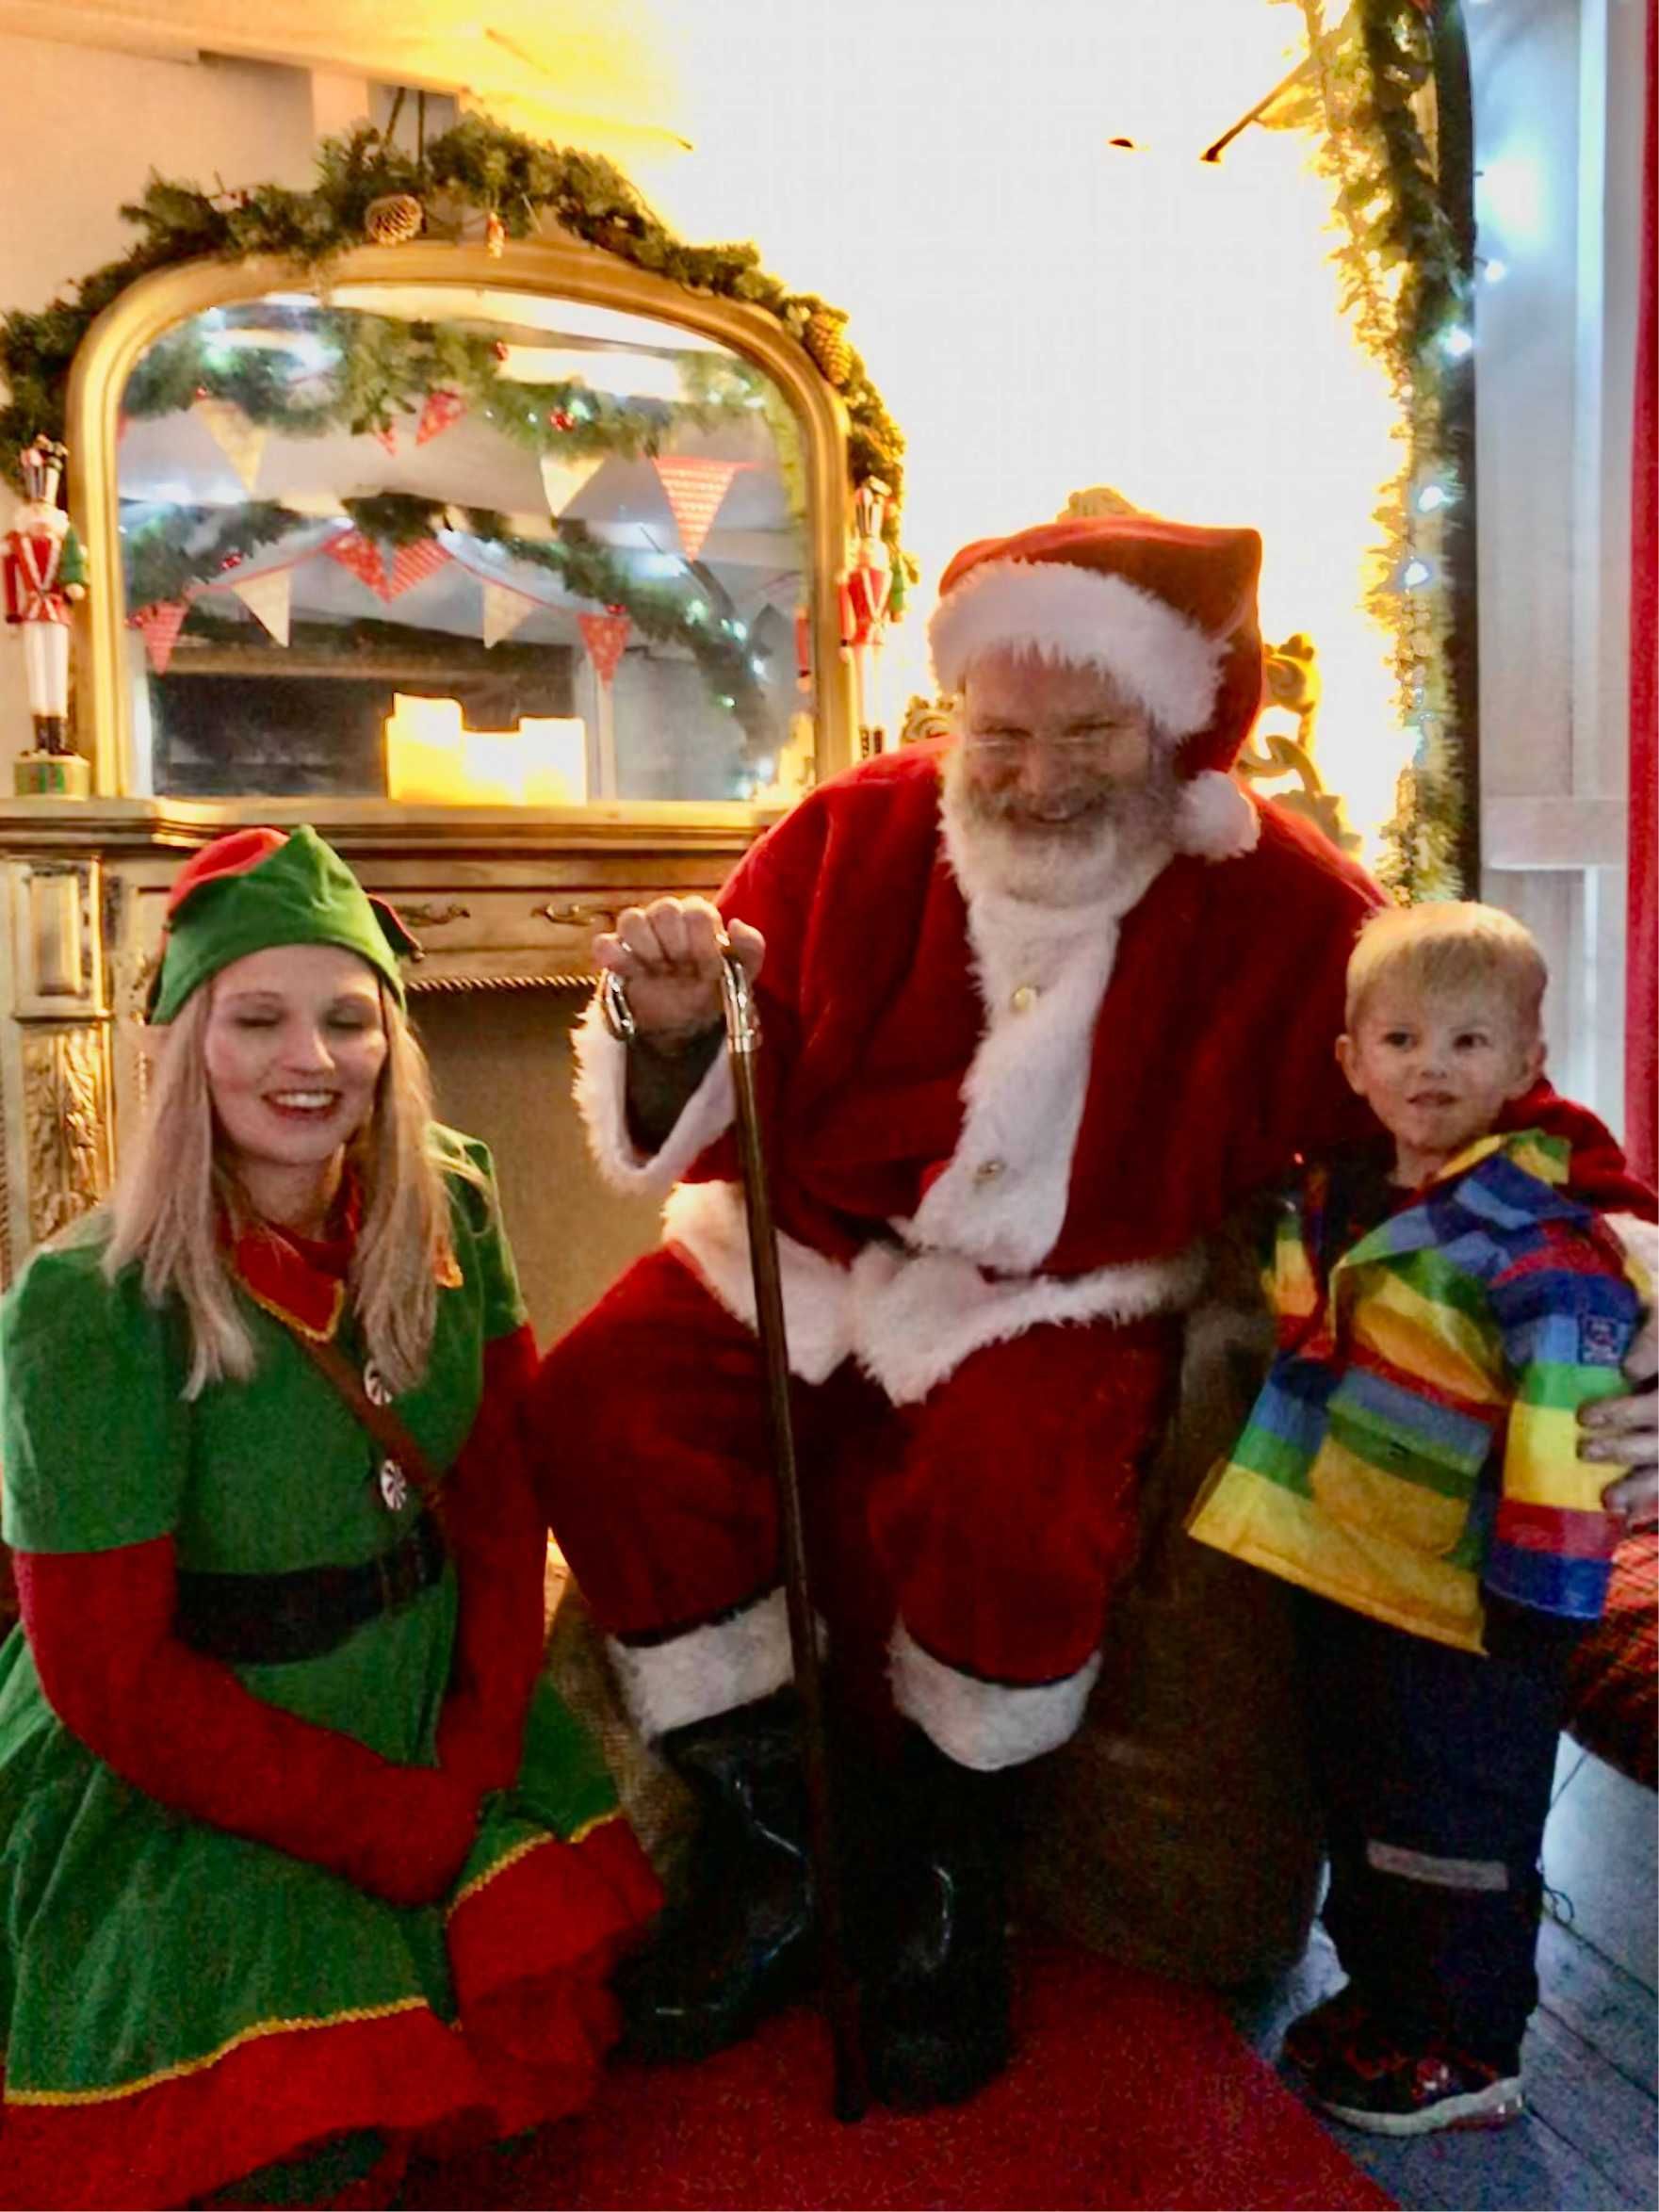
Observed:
{"x":1436,"y":1768}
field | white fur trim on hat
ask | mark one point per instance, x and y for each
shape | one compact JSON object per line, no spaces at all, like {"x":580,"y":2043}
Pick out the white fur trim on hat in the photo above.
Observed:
{"x":1062,"y":611}
{"x":1214,"y":817}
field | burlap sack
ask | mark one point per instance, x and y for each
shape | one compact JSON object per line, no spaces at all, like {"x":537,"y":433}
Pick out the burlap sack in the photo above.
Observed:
{"x":1178,"y":1830}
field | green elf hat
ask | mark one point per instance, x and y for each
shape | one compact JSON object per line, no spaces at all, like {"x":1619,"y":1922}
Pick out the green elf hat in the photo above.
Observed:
{"x":258,"y":888}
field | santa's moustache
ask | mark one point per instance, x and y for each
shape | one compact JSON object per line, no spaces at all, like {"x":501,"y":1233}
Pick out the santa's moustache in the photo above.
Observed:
{"x":1118,"y":829}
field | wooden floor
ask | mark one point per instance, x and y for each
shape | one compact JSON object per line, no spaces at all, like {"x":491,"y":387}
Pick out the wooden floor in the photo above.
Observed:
{"x":1587,"y":2139}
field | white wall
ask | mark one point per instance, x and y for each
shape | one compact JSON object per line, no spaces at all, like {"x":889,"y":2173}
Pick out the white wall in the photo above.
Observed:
{"x":95,"y":123}
{"x":1558,"y":204}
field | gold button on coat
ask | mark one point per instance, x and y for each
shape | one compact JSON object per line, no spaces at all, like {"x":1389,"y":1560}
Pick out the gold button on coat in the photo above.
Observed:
{"x":1025,"y":997}
{"x":987,"y":1171}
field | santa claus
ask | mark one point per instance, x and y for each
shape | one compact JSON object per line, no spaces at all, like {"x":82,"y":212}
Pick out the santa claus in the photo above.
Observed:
{"x":1040,"y":1006}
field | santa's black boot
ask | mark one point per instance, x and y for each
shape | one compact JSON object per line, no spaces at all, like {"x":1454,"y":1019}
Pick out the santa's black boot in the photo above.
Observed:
{"x":740,"y":1940}
{"x":937,"y":2006}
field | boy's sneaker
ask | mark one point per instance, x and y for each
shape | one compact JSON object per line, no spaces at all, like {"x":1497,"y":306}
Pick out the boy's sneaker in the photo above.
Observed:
{"x":1308,"y":2042}
{"x":1371,"y":2084}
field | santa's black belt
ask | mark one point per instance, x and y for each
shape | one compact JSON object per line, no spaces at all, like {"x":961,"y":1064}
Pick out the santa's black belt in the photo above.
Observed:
{"x":273,"y":1619}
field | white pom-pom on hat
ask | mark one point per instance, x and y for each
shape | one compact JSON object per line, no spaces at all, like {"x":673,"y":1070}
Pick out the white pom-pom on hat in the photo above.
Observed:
{"x":1214,"y":817}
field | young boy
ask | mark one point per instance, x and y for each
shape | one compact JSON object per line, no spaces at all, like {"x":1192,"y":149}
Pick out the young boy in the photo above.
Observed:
{"x":1443,"y":1309}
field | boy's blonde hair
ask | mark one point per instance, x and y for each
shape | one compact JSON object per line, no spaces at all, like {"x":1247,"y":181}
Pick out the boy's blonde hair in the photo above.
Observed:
{"x":1445,"y":945}
{"x":165,"y":1211}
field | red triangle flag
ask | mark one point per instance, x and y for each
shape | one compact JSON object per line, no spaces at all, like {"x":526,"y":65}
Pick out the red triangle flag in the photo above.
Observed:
{"x":694,"y":487}
{"x":442,"y":409}
{"x":363,"y":557}
{"x":605,"y":636}
{"x":411,"y":564}
{"x":161,"y":624}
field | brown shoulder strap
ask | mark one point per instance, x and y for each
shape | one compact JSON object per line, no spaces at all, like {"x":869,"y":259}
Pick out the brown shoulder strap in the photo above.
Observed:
{"x":379,"y":1420}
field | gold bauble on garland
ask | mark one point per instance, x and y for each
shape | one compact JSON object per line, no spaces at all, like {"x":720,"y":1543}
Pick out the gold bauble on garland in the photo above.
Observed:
{"x":824,"y":338}
{"x":392,"y":220}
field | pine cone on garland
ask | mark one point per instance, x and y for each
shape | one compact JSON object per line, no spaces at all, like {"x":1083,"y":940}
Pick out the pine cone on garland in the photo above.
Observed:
{"x":394,"y":219}
{"x":824,"y":339}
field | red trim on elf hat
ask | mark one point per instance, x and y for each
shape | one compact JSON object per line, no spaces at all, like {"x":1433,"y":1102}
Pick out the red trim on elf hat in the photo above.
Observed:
{"x":239,"y":852}
{"x":1168,"y":609}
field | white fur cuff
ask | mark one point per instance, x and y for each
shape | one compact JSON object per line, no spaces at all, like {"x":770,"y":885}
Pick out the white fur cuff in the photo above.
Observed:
{"x":707,"y":1669}
{"x":986,"y":1725}
{"x":601,"y":1098}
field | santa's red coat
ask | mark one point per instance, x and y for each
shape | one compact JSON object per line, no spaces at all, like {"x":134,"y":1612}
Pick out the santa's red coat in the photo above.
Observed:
{"x":978,"y":1123}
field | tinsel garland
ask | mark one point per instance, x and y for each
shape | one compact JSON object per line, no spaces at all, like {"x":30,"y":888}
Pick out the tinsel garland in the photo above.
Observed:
{"x":1404,"y":285}
{"x":478,"y":168}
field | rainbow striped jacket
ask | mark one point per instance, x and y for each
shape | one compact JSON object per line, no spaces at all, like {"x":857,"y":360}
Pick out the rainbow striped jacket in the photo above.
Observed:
{"x":1415,"y":1440}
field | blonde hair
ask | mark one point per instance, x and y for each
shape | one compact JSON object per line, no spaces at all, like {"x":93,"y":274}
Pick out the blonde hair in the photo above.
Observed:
{"x":1446,"y":944}
{"x":163,"y":1214}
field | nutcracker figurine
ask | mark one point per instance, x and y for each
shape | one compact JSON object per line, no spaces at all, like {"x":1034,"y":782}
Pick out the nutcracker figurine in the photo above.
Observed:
{"x":45,"y":572}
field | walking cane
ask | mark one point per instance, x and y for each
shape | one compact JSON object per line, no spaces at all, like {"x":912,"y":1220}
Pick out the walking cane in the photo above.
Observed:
{"x":742,"y":1032}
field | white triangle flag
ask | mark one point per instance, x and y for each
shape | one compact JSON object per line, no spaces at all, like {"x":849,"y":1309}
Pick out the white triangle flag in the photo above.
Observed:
{"x":268,"y":599}
{"x":240,"y":440}
{"x":562,"y":479}
{"x":504,"y":609}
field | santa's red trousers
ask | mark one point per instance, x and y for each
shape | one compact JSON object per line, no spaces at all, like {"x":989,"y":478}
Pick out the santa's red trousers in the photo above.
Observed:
{"x":993,"y":1517}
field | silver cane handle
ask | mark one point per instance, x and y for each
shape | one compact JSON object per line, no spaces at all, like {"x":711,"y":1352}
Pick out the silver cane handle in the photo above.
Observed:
{"x":742,"y":1016}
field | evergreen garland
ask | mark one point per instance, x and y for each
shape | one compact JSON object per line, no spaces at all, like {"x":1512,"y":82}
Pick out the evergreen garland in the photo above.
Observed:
{"x":167,"y":559}
{"x":1404,"y":283}
{"x":381,"y":372}
{"x":478,"y":168}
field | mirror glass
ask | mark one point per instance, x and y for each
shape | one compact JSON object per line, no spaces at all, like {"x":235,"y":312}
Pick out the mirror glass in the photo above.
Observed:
{"x":462,"y":546}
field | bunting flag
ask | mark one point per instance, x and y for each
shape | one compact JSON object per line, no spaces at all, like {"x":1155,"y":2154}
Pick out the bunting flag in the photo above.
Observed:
{"x":159,"y":625}
{"x":504,"y":609}
{"x":240,"y":440}
{"x":562,"y":479}
{"x":605,"y":636}
{"x":363,"y":557}
{"x":411,"y":564}
{"x":268,"y":599}
{"x":694,"y":487}
{"x":442,"y":409}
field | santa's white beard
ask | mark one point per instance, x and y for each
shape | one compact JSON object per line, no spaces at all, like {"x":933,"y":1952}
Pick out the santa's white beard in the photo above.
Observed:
{"x":1126,"y":838}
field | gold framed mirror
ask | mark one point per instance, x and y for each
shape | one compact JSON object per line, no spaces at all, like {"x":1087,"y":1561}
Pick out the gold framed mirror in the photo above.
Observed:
{"x":531,"y":528}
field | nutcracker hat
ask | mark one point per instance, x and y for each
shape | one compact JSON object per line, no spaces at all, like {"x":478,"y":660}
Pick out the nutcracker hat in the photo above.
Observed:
{"x":41,"y":464}
{"x":1167,"y":609}
{"x":259,"y":888}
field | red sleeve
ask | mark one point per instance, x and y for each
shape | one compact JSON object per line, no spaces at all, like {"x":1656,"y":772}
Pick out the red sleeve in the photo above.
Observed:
{"x":1598,"y":1175}
{"x":497,"y":1537}
{"x":182,"y":1729}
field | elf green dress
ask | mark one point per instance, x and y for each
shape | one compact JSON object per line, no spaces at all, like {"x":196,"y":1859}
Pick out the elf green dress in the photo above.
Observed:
{"x":221,"y":1937}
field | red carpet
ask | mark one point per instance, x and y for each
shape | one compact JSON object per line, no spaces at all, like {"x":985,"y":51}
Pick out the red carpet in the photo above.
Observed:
{"x":1126,"y":2092}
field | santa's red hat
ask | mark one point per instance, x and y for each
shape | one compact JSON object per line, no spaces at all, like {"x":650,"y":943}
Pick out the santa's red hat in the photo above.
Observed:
{"x":1165,"y":608}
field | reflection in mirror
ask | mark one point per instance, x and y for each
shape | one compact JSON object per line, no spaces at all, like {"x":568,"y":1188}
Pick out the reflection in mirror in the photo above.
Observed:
{"x":461,"y":545}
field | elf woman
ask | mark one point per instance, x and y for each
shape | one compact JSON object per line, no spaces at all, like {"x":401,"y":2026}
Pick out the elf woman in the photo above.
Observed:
{"x":298,"y":1860}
